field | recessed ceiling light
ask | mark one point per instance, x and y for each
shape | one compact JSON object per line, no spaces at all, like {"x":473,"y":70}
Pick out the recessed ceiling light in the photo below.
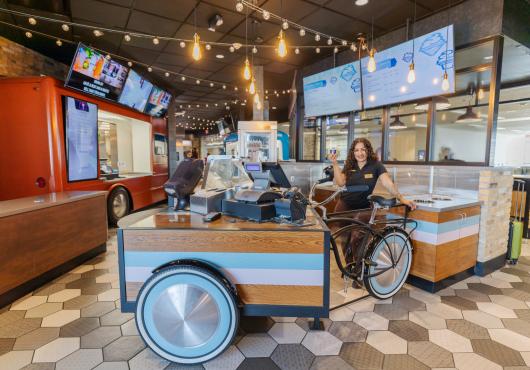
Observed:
{"x":361,"y":2}
{"x":219,"y":56}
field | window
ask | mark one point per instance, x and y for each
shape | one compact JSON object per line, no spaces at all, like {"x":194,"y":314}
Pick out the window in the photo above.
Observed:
{"x":337,"y":135}
{"x":512,"y":144}
{"x":407,"y":134}
{"x":368,"y":124}
{"x":311,"y":132}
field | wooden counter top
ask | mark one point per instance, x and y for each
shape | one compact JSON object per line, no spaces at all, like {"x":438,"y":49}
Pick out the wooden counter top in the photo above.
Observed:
{"x":28,"y":204}
{"x":165,"y":218}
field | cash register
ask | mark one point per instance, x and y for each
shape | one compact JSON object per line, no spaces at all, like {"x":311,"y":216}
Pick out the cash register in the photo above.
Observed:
{"x":257,"y":203}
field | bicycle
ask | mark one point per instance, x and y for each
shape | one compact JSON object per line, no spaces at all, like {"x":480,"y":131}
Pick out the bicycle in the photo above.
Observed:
{"x":384,"y":256}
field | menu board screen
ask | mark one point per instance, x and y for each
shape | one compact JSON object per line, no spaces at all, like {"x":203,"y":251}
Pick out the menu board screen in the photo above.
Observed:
{"x":81,"y":139}
{"x":333,"y":91}
{"x":92,"y":73}
{"x":433,"y":54}
{"x":136,"y":91}
{"x":158,"y":102}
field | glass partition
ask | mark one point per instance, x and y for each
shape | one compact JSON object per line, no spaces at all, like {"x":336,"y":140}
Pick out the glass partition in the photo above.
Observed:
{"x":337,"y":135}
{"x":512,"y":144}
{"x":407,"y":134}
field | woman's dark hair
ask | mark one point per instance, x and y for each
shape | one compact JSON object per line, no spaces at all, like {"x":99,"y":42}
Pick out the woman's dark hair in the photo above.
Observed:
{"x":350,"y":160}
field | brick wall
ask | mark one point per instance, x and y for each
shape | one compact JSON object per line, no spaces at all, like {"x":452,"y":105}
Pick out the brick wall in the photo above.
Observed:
{"x":17,"y":60}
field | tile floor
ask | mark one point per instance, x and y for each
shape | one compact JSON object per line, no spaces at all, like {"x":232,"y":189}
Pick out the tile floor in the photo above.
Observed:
{"x":482,"y":323}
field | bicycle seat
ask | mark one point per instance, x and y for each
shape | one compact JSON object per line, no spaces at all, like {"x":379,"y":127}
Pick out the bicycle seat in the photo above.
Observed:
{"x":382,"y":201}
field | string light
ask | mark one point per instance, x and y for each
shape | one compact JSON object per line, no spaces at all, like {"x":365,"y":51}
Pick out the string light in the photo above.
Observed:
{"x":344,"y":43}
{"x":353,"y":47}
{"x":266,"y":15}
{"x":98,"y":33}
{"x":129,"y":63}
{"x":208,"y":47}
{"x":29,"y":35}
{"x":182,"y":44}
{"x":302,"y":32}
{"x":65,"y":27}
{"x":285,"y":24}
{"x":371,"y":62}
{"x":127,"y":37}
{"x":32,"y":21}
{"x":254,"y":50}
{"x":297,"y":51}
{"x":246,"y":70}
{"x":59,"y":42}
{"x":198,"y":82}
{"x":166,"y":74}
{"x":317,"y":37}
{"x":317,"y":50}
{"x":149,"y":69}
{"x":196,"y":53}
{"x":336,"y":50}
{"x":231,"y":49}
{"x":330,"y":41}
{"x":156,"y":41}
{"x":239,"y":6}
{"x":183,"y":78}
{"x":282,"y":46}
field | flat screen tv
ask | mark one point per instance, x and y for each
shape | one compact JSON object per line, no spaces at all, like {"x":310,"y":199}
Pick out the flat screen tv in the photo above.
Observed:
{"x":92,"y":73}
{"x":158,"y":102}
{"x":136,"y":91}
{"x":81,"y":128}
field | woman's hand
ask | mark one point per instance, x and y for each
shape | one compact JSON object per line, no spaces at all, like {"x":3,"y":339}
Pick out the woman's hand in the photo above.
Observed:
{"x":409,"y":203}
{"x":333,"y":158}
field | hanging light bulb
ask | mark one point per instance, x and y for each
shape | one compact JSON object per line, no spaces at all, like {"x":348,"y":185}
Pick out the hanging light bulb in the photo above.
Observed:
{"x":29,"y":34}
{"x":297,"y":51}
{"x":127,"y":38}
{"x":317,"y":37}
{"x":445,"y":82}
{"x":302,"y":32}
{"x":252,"y":88}
{"x":246,"y":70}
{"x":182,"y":44}
{"x":65,"y":27}
{"x":59,"y":42}
{"x":285,"y":24}
{"x":256,"y":98}
{"x":317,"y":50}
{"x":254,"y":50}
{"x":98,"y":33}
{"x":224,"y":87}
{"x":198,"y":82}
{"x":266,"y":15}
{"x":32,"y":21}
{"x":239,"y":6}
{"x":282,"y":46}
{"x":344,"y":43}
{"x":208,"y":47}
{"x":196,"y":53}
{"x":149,"y":69}
{"x":336,"y":50}
{"x":371,"y":62}
{"x":183,"y":78}
{"x":166,"y":74}
{"x":411,"y":77}
{"x":353,"y":47}
{"x":330,"y":41}
{"x":232,"y":49}
{"x":156,"y":41}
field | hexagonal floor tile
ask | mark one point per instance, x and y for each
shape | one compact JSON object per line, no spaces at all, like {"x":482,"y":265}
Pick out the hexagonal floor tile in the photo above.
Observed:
{"x":257,"y":345}
{"x":79,"y":302}
{"x":402,"y":362}
{"x":19,"y":327}
{"x":292,"y":357}
{"x":115,"y":317}
{"x":472,"y":361}
{"x":284,"y":333}
{"x":109,"y":295}
{"x":64,"y":295}
{"x":424,"y":296}
{"x":44,"y":310}
{"x":370,"y":321}
{"x":450,"y":340}
{"x":114,"y":365}
{"x":230,"y":359}
{"x":431,"y":354}
{"x":468,"y":329}
{"x":408,"y":330}
{"x":472,"y":295}
{"x":483,"y":319}
{"x":255,"y":324}
{"x":508,"y":302}
{"x":307,"y":323}
{"x":6,"y":345}
{"x":15,"y":359}
{"x":391,"y":311}
{"x":83,"y":359}
{"x":387,"y":342}
{"x":322,"y":343}
{"x":60,"y":318}
{"x":264,"y":363}
{"x":459,"y":303}
{"x":100,"y":337}
{"x":409,"y":303}
{"x":496,"y":310}
{"x":123,"y":348}
{"x":56,"y":350}
{"x":97,"y":309}
{"x":29,"y":303}
{"x":444,"y":311}
{"x":129,"y":328}
{"x":329,"y":363}
{"x":36,"y":338}
{"x":516,"y":341}
{"x":348,"y":332}
{"x":341,"y":314}
{"x":147,"y":359}
{"x":364,"y":305}
{"x":361,"y":356}
{"x":427,"y":319}
{"x":79,"y":327}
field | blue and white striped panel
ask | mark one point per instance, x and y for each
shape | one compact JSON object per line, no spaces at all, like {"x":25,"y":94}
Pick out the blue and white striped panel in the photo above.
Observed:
{"x":436,"y":234}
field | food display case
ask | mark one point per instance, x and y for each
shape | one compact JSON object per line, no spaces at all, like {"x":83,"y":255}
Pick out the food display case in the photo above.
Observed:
{"x":257,"y":140}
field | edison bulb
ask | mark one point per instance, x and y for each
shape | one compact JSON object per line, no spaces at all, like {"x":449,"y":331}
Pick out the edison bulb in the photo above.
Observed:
{"x":196,"y":53}
{"x":58,"y":42}
{"x":65,"y":27}
{"x":266,"y":15}
{"x":246,"y":70}
{"x":285,"y":24}
{"x":317,"y":37}
{"x":282,"y":46}
{"x":239,"y":6}
{"x":330,"y":41}
{"x":371,"y":62}
{"x":127,"y":38}
{"x":252,"y":88}
{"x":302,"y":32}
{"x":445,"y":82}
{"x":297,"y":51}
{"x":411,"y":77}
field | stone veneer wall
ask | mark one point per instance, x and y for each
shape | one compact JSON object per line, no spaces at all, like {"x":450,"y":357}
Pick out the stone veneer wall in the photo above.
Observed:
{"x":495,"y":192}
{"x":17,"y":60}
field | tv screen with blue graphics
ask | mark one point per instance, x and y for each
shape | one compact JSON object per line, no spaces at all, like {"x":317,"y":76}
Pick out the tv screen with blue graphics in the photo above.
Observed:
{"x":433,"y":55}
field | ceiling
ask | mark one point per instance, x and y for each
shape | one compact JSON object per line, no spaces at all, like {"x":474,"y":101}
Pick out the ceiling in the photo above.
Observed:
{"x":340,"y":18}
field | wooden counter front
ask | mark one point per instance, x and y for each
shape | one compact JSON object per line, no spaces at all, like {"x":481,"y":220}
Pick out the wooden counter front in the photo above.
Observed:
{"x":45,"y":236}
{"x":277,"y":268}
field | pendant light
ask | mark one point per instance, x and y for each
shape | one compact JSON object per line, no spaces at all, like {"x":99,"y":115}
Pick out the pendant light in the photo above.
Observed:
{"x":469,"y":115}
{"x":196,"y":53}
{"x":246,"y":70}
{"x":397,"y":124}
{"x":252,"y":87}
{"x":445,"y":80}
{"x":411,"y":76}
{"x":372,"y":66}
{"x":282,"y":46}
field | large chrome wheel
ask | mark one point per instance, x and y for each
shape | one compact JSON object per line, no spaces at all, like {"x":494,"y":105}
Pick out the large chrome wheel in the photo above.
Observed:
{"x":118,"y":204}
{"x":186,"y":314}
{"x":391,"y":258}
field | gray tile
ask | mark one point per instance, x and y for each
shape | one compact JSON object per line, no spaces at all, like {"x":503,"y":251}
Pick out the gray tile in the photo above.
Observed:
{"x":305,"y":323}
{"x":113,"y":365}
{"x":82,"y":359}
{"x":391,"y":311}
{"x":40,"y":366}
{"x":100,"y":337}
{"x":44,"y":309}
{"x":10,"y":317}
{"x":6,"y":345}
{"x":19,"y":328}
{"x":256,"y":324}
{"x":484,"y":288}
{"x":115,"y":317}
{"x":123,"y":349}
{"x":330,"y":363}
{"x":49,"y":289}
{"x":410,"y":304}
{"x":523,"y":314}
{"x":94,"y":273}
{"x":517,"y":294}
{"x":263,"y":363}
{"x":97,"y":309}
{"x":35,"y":339}
{"x":96,"y":288}
{"x":292,"y":357}
{"x":129,"y":328}
{"x":147,"y":359}
{"x":174,"y":366}
{"x":79,"y":302}
{"x":361,"y":356}
{"x":497,"y":352}
{"x":459,"y":303}
{"x":348,"y":331}
{"x":402,"y":362}
{"x":79,"y":327}
{"x":467,"y":329}
{"x":408,"y":330}
{"x":431,"y":354}
{"x":81,"y":283}
{"x":472,"y":295}
{"x":517,"y":325}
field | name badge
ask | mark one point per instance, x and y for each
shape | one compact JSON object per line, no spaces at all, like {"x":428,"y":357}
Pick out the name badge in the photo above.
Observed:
{"x":368,"y":176}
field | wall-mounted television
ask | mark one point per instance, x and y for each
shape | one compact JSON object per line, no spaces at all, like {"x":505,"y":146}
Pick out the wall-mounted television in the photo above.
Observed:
{"x":81,"y":128}
{"x":92,"y":73}
{"x":158,"y":102}
{"x":136,"y":91}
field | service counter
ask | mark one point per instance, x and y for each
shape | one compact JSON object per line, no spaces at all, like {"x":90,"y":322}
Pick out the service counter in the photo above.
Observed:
{"x":42,"y":237}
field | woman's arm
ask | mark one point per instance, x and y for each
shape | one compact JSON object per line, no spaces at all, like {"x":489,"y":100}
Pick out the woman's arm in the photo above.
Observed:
{"x":393,"y":190}
{"x":340,"y":178}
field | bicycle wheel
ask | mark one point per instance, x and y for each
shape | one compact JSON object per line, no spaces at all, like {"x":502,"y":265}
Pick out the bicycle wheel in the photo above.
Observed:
{"x":186,"y":314}
{"x":394,"y":245}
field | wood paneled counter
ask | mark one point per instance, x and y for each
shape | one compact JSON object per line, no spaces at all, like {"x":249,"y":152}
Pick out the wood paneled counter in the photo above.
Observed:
{"x":42,"y":237}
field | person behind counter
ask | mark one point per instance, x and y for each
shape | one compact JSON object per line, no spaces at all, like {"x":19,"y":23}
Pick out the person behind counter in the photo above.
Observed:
{"x":362,"y":168}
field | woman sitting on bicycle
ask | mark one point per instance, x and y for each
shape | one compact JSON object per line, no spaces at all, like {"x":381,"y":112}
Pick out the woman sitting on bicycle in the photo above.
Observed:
{"x":362,"y":168}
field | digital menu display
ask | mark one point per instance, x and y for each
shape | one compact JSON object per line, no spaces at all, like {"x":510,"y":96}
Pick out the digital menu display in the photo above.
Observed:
{"x":433,"y":55}
{"x":136,"y":91}
{"x":81,"y":139}
{"x":333,"y":91}
{"x":92,"y":73}
{"x":158,"y":102}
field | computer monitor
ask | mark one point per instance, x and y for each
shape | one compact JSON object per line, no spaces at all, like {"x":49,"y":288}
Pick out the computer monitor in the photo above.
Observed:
{"x":277,"y":176}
